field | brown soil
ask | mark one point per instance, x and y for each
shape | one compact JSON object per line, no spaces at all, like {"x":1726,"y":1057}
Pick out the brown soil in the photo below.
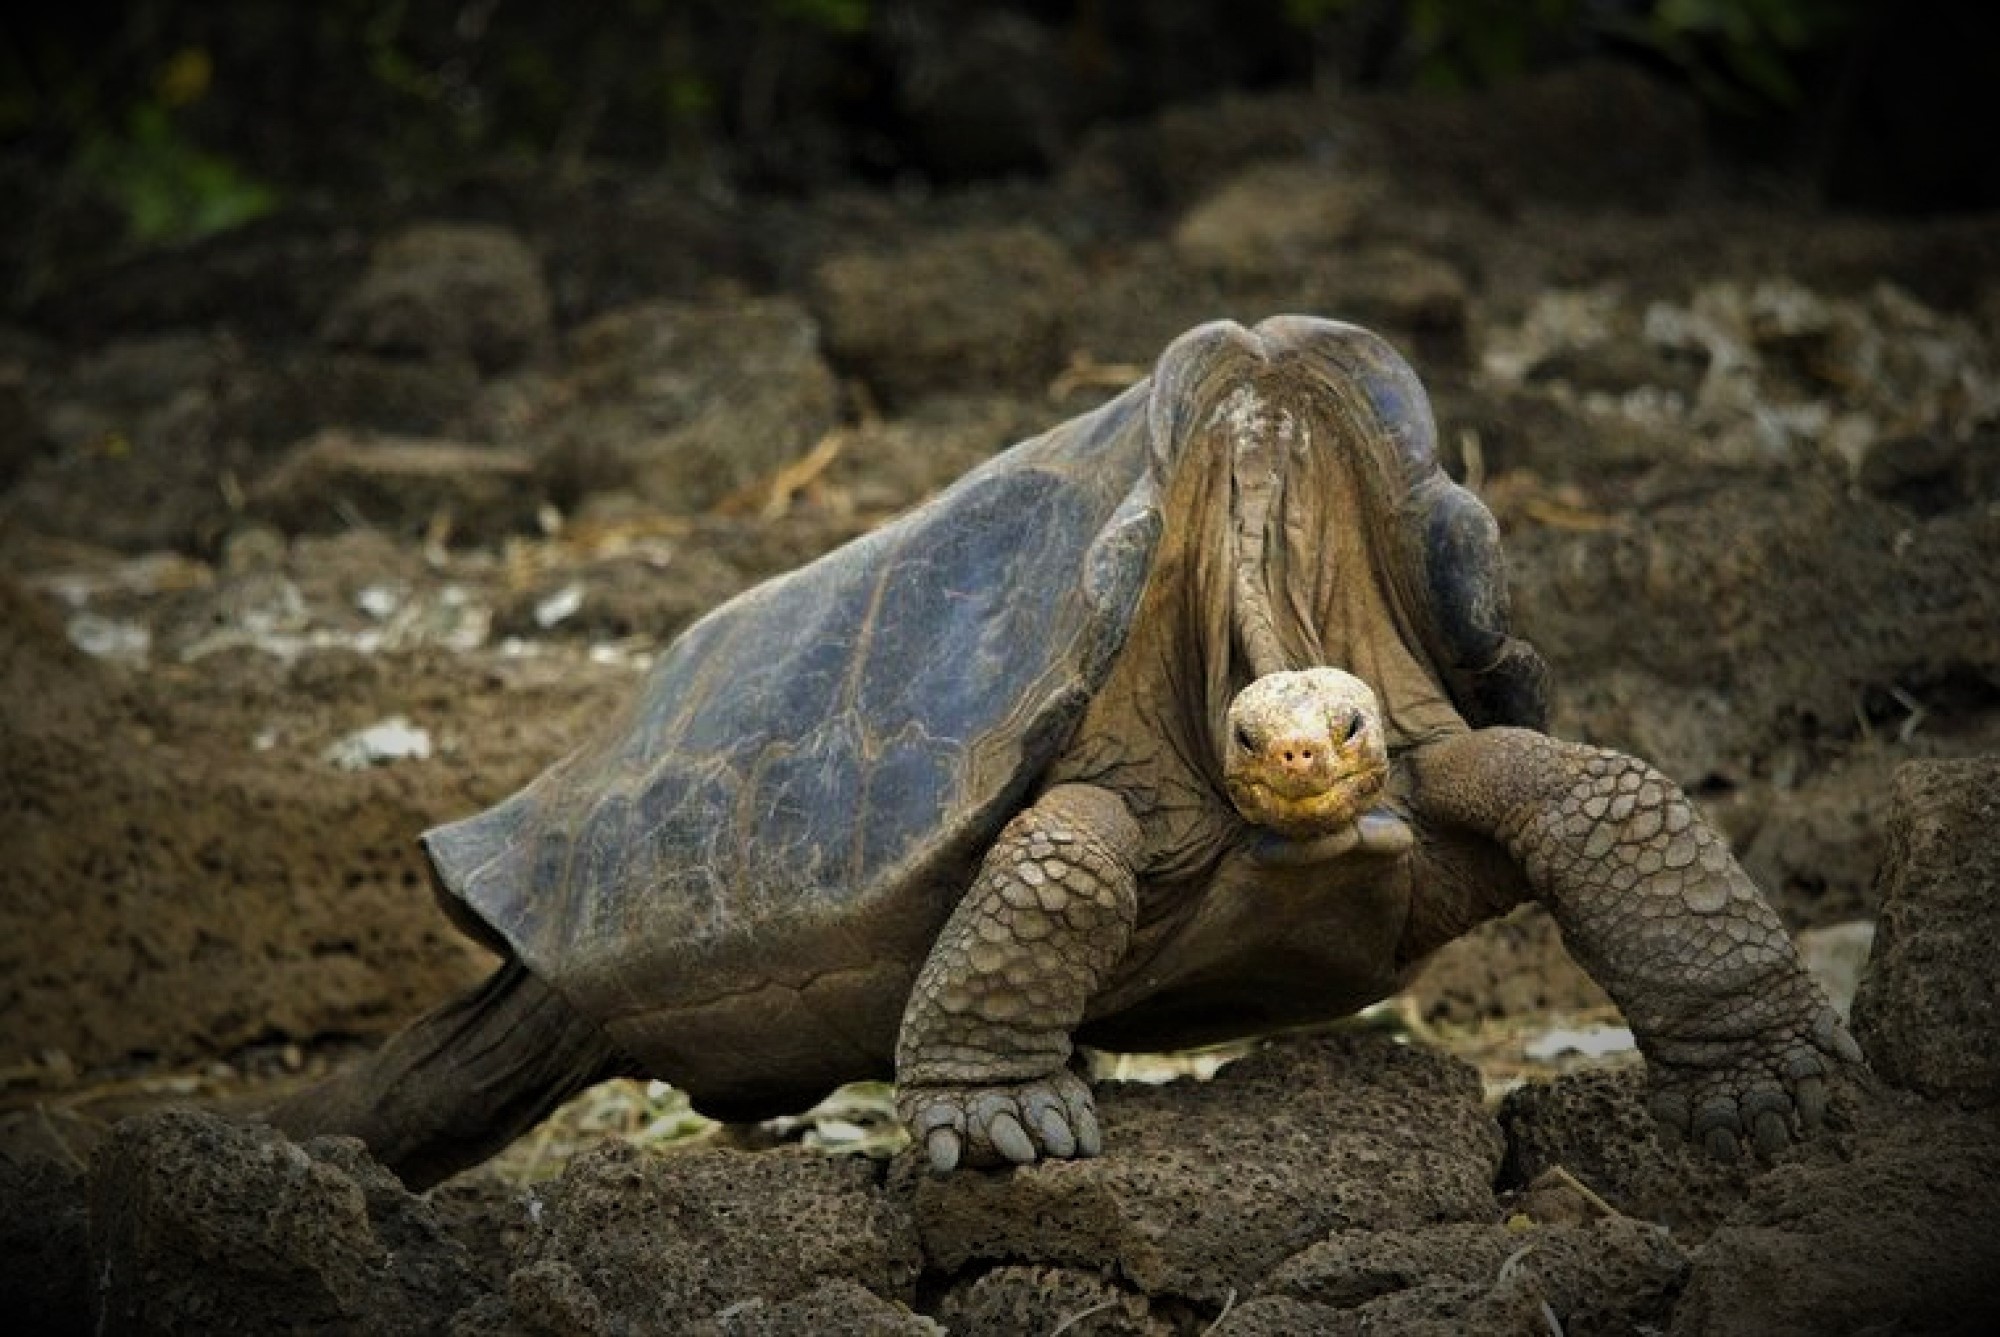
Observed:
{"x":467,"y":475}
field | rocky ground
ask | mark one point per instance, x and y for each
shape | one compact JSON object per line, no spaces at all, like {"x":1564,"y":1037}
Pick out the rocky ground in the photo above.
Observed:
{"x":326,"y":530}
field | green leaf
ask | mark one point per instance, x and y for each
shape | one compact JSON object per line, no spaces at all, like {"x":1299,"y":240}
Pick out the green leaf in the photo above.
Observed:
{"x":169,"y":188}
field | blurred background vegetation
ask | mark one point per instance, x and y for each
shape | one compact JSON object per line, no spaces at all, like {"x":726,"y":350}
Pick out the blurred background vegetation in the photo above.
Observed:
{"x":162,"y":120}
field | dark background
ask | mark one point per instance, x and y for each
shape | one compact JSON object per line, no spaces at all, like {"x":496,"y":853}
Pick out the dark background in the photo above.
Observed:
{"x":166,"y":119}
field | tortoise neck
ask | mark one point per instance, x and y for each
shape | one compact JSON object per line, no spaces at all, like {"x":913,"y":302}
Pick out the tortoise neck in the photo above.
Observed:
{"x":1261,"y":437}
{"x":1315,"y":576}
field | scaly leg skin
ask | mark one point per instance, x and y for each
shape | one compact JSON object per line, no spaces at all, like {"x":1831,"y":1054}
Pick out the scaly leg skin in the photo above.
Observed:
{"x":458,"y":1084}
{"x":982,"y":1062}
{"x":1739,"y":1039}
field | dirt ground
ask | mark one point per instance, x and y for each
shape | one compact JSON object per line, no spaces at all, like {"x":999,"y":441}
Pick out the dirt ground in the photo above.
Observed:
{"x":326,"y":531}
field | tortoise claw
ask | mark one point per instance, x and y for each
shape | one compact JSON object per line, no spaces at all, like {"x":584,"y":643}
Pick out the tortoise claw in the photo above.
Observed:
{"x":1770,"y":1133}
{"x":1004,"y":1131}
{"x":1083,"y":1119}
{"x":1051,"y":1118}
{"x":1762,"y":1091}
{"x":1716,"y":1126}
{"x":1810,"y":1097}
{"x":1829,"y":1034}
{"x":1051,"y":1124}
{"x":943,"y":1148}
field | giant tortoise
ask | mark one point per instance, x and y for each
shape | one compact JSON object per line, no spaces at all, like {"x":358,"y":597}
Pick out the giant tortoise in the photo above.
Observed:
{"x":1195,"y":717}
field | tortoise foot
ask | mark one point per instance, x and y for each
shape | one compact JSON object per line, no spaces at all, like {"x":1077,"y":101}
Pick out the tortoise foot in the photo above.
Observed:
{"x":1011,"y":1124}
{"x":1767,"y":1089}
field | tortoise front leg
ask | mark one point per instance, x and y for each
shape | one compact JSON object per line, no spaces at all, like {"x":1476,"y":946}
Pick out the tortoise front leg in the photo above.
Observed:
{"x":1739,"y":1038}
{"x":982,"y":1063}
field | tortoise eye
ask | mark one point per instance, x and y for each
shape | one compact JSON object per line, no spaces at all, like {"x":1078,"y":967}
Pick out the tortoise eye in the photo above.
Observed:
{"x":1354,"y":727}
{"x":1243,"y":738}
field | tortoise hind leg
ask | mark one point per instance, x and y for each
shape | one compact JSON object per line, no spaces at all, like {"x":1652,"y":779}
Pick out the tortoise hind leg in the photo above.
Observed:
{"x":462,"y":1081}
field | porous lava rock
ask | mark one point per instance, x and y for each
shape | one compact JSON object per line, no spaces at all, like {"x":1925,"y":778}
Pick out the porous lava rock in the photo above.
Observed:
{"x":199,"y":1224}
{"x":1928,"y":1011}
{"x":335,"y":480}
{"x":1017,"y":1299}
{"x":976,"y":308}
{"x":1594,"y":1124}
{"x":631,"y":1242}
{"x":1205,"y":1187}
{"x":1893,"y":1226}
{"x":446,"y":292}
{"x":835,"y":1308}
{"x":45,"y":1279}
{"x":681,"y":403}
{"x":1613,"y":1275}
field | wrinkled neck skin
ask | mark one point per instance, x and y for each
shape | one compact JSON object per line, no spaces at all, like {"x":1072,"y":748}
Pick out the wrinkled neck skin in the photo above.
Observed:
{"x":1300,"y":528}
{"x":1278,"y":551}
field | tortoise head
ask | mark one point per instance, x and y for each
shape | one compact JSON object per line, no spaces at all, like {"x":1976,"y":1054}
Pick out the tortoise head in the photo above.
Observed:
{"x":1305,"y":752}
{"x":1297,"y":473}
